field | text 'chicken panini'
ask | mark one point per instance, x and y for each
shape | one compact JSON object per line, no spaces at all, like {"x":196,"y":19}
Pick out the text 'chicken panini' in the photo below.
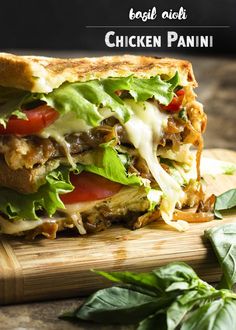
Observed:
{"x":91,"y":141}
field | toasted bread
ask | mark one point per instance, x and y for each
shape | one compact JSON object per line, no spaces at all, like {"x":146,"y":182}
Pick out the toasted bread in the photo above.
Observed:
{"x":43,"y":74}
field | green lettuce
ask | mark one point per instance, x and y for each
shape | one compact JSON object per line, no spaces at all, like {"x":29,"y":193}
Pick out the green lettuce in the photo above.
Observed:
{"x":104,"y":161}
{"x":86,"y":98}
{"x":25,"y":206}
{"x":11,"y":101}
{"x":107,"y":163}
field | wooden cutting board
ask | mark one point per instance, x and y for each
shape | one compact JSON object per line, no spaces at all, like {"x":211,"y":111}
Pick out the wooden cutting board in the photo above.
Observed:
{"x":47,"y":269}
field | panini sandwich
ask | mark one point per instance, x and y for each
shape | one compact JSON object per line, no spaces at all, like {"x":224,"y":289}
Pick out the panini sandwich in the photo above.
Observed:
{"x":91,"y":141}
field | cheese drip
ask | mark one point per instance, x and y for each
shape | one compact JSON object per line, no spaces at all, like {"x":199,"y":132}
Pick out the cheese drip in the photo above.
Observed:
{"x":145,"y":129}
{"x":66,"y":124}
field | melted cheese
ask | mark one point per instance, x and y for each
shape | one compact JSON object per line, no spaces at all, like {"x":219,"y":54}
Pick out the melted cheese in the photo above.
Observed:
{"x":66,"y":124}
{"x":73,"y":212}
{"x":78,"y":222}
{"x":183,"y":155}
{"x":17,"y":226}
{"x":80,"y":207}
{"x":145,"y":129}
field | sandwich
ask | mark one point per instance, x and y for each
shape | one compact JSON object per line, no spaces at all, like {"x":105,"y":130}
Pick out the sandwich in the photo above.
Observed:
{"x":88,"y":142}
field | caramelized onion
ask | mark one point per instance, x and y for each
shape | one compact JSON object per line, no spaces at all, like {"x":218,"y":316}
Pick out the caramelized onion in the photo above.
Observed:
{"x":206,"y":206}
{"x":193,"y":216}
{"x":48,"y":229}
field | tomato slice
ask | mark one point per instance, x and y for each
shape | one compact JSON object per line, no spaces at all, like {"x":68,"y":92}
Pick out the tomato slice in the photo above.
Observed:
{"x":38,"y":119}
{"x":176,"y":103}
{"x":89,"y":187}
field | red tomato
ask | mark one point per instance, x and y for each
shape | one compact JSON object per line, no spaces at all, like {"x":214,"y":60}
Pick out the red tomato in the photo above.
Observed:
{"x":38,"y":118}
{"x":176,"y":103}
{"x":89,"y":187}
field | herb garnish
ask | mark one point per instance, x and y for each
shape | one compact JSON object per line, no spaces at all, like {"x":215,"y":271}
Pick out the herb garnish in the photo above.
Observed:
{"x":173,"y":296}
{"x":223,"y":240}
{"x":169,"y":297}
{"x":225,"y":201}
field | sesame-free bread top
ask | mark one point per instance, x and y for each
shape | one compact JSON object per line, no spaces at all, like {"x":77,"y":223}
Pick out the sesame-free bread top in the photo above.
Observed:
{"x":43,"y":74}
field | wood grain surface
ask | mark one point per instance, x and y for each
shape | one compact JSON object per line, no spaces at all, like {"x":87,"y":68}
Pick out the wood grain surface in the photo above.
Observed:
{"x":47,"y":269}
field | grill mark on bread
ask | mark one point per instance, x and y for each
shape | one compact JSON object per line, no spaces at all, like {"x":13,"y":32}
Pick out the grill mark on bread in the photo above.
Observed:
{"x":43,"y":74}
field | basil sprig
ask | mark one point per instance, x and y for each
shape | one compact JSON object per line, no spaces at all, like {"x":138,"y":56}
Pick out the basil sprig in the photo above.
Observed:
{"x":223,"y":240}
{"x":225,"y":201}
{"x":170,"y":297}
{"x":173,"y":296}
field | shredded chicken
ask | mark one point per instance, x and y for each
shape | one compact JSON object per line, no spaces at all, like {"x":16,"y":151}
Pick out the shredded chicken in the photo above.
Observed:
{"x":22,"y":152}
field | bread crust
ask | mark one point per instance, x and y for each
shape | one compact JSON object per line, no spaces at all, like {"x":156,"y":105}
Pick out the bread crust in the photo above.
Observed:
{"x":43,"y":74}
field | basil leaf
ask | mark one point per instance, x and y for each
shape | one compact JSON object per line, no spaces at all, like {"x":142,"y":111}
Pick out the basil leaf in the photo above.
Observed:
{"x":148,"y":280}
{"x":169,"y":297}
{"x":223,"y":240}
{"x":176,"y":275}
{"x":219,"y":314}
{"x":116,"y":305}
{"x":155,"y":321}
{"x":176,"y":312}
{"x":225,"y":201}
{"x":184,"y":303}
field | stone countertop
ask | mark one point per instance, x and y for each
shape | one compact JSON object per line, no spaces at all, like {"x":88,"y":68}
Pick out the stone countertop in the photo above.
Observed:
{"x":44,"y":316}
{"x":217,"y":91}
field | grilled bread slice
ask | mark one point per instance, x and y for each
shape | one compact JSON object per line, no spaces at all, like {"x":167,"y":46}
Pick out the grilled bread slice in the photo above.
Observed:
{"x":43,"y":74}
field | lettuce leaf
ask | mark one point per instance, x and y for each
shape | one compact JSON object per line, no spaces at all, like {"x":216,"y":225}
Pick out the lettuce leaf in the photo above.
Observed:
{"x":86,"y":98}
{"x":104,"y":162}
{"x":107,"y":163}
{"x":17,"y":205}
{"x":11,"y":101}
{"x":81,"y":98}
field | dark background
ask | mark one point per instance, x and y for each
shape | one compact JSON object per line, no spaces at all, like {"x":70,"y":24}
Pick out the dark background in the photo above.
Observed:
{"x":61,"y":25}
